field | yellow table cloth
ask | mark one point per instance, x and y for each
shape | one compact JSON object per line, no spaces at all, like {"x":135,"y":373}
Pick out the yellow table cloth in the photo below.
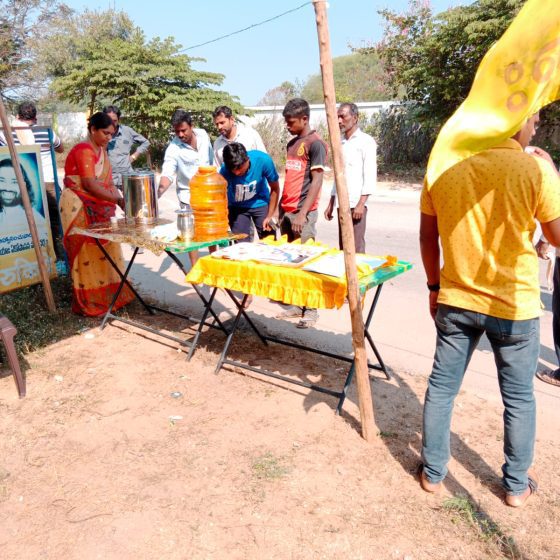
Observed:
{"x":289,"y":285}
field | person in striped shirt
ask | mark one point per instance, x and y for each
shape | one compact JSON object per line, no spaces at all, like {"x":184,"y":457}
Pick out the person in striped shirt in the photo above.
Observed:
{"x":25,"y":132}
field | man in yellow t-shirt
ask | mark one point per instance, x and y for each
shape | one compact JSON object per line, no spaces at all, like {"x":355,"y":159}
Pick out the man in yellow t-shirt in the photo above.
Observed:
{"x":483,"y":211}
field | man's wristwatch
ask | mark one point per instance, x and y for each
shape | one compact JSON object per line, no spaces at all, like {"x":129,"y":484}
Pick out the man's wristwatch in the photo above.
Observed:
{"x":433,"y":287}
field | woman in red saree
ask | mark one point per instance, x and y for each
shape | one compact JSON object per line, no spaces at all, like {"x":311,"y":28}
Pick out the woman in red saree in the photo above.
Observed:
{"x":90,"y":197}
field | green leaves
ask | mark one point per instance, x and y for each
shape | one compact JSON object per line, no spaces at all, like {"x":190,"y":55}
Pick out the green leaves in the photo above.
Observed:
{"x":433,"y":59}
{"x":99,"y":58}
{"x":357,"y":77}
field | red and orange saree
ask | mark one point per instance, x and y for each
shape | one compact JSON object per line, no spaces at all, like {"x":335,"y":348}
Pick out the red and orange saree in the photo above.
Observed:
{"x":93,"y":278}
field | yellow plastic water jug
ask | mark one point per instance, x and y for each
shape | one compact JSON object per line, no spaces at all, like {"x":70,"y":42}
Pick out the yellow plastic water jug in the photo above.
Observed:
{"x":209,"y":204}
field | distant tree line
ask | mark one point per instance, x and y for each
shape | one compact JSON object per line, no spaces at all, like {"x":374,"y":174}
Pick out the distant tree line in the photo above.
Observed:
{"x":52,"y":54}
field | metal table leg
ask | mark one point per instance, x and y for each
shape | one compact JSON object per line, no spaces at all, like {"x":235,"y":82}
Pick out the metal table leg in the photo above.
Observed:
{"x":369,"y":338}
{"x":152,"y":308}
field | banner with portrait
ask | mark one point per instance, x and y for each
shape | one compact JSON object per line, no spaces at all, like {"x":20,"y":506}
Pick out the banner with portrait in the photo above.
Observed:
{"x":18,"y":262}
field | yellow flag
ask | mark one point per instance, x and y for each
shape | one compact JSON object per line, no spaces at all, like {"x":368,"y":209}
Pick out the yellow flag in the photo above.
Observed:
{"x":518,"y":76}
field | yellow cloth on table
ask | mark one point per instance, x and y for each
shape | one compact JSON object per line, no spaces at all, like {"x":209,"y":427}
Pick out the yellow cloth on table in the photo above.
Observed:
{"x":293,"y":286}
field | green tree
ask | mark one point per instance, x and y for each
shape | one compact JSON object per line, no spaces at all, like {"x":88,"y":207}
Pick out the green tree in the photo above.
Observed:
{"x":97,"y":58}
{"x":433,"y":59}
{"x":357,"y":77}
{"x":20,"y":22}
{"x":281,"y":94}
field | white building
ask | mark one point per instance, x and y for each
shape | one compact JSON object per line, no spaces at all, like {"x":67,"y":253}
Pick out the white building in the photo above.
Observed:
{"x":318,"y":113}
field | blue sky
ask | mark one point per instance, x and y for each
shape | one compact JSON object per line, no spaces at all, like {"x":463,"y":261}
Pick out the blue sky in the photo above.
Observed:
{"x":261,"y":58}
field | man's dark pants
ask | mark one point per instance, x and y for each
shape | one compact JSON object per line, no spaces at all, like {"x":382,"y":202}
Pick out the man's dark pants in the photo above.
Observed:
{"x":241,"y":220}
{"x":309,"y":230}
{"x":359,"y":232}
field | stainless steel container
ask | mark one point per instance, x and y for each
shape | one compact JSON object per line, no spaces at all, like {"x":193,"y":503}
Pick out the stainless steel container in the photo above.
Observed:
{"x":140,"y":196}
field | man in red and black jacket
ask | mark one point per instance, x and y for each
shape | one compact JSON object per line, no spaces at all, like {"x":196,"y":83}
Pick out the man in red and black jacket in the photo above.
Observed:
{"x":305,"y":163}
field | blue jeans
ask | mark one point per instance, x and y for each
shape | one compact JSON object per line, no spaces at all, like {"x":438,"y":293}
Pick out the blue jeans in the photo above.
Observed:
{"x":516,"y":350}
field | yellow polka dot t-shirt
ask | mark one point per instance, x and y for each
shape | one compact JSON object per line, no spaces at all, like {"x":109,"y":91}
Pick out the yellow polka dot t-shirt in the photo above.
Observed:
{"x":486,"y":208}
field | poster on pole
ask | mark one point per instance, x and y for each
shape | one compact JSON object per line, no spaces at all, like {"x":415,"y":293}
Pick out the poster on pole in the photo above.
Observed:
{"x":18,"y":262}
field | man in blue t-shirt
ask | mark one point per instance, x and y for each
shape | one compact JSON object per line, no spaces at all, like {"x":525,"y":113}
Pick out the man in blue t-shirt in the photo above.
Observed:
{"x":249,"y":176}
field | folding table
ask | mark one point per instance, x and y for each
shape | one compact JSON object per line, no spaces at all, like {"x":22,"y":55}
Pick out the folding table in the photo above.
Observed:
{"x":295,"y":287}
{"x":139,"y":235}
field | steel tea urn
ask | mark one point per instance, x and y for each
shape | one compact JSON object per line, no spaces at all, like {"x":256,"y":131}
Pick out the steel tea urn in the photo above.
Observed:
{"x":140,"y":196}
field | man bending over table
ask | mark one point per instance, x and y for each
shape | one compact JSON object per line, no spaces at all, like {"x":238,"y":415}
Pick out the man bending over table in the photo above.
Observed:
{"x":249,"y":176}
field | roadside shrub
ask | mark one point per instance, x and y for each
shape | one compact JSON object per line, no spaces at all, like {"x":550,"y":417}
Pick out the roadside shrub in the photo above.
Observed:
{"x":401,"y":139}
{"x":275,"y":137}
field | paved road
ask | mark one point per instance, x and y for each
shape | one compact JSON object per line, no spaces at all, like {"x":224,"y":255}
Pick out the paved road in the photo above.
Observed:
{"x":402,"y":327}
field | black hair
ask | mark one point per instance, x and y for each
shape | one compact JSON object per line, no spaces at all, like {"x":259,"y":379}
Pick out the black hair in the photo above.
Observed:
{"x":234,"y":155}
{"x":296,"y":108}
{"x":352,"y":107}
{"x":181,"y":116}
{"x":27,"y":111}
{"x":7,"y":162}
{"x":99,"y":120}
{"x":222,"y":110}
{"x":112,"y":109}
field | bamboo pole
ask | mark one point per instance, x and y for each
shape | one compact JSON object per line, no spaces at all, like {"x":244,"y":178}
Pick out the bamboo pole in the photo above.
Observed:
{"x":27,"y":207}
{"x":358,"y":341}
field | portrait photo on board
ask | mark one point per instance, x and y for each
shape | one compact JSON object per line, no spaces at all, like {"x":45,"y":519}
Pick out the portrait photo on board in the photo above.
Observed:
{"x":18,"y":262}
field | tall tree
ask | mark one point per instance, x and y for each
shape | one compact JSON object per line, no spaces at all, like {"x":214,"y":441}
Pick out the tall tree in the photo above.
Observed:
{"x":433,"y":59}
{"x":281,"y":94}
{"x":20,"y":22}
{"x":357,"y":77}
{"x":101,"y":57}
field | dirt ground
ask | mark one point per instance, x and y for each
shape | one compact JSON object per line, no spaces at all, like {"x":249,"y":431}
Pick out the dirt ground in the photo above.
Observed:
{"x":124,"y":450}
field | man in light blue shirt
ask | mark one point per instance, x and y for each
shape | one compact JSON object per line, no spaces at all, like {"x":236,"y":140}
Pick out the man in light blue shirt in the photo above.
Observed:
{"x":190,"y":149}
{"x":119,"y":148}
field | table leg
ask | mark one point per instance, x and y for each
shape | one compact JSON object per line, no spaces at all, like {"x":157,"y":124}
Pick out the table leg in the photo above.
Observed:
{"x":121,"y":285}
{"x":207,"y":309}
{"x":124,"y":278}
{"x":198,"y":291}
{"x":241,"y":309}
{"x":369,"y":338}
{"x":345,"y":388}
{"x":228,"y":340}
{"x":368,"y":335}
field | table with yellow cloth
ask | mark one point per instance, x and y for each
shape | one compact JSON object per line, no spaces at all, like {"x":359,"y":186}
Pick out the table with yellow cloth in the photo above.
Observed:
{"x":293,"y":286}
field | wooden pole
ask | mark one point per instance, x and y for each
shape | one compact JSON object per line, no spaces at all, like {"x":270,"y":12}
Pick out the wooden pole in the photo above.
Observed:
{"x":369,"y":431}
{"x":27,"y":207}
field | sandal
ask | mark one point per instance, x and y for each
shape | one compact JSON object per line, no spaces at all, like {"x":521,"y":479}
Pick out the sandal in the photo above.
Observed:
{"x":427,"y":486}
{"x":520,"y":499}
{"x":549,"y":376}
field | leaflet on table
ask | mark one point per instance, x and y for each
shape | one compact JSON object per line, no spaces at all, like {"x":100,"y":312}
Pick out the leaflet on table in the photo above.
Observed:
{"x":286,"y":254}
{"x":333,"y":264}
{"x":165,"y":232}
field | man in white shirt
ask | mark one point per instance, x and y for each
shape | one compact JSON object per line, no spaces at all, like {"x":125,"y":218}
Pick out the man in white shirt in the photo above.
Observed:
{"x":360,"y":167}
{"x":190,"y":149}
{"x":232,"y":131}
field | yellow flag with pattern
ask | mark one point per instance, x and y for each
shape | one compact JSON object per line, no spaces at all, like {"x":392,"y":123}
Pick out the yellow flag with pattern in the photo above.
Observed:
{"x":519,"y":75}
